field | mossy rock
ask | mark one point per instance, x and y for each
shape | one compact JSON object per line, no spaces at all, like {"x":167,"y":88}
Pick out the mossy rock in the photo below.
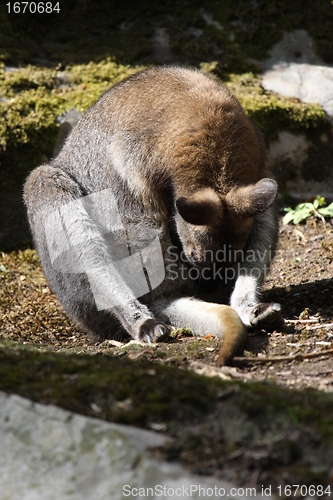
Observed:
{"x":119,"y":41}
{"x":32,"y":100}
{"x":280,"y":429}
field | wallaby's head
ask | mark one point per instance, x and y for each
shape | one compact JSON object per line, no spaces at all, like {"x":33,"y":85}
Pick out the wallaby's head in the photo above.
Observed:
{"x":220,"y":174}
{"x":207,"y":221}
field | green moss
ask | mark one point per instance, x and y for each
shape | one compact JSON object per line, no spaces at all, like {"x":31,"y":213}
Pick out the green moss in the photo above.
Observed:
{"x":33,"y":98}
{"x":273,"y":113}
{"x":308,"y":409}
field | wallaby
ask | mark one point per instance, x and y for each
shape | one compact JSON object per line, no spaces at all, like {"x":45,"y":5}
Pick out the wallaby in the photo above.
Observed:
{"x":161,"y":189}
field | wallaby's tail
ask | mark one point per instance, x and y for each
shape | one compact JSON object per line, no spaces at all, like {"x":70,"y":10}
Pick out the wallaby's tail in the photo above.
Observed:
{"x":235,"y":336}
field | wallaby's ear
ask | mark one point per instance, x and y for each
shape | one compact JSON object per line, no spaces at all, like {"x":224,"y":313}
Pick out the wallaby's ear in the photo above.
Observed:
{"x":203,"y":207}
{"x":253,"y":199}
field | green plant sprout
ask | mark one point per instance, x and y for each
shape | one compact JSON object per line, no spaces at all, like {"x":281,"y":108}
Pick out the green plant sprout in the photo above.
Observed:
{"x":304,"y":210}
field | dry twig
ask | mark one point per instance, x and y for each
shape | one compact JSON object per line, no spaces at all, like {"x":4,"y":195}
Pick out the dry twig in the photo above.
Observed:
{"x":278,"y":359}
{"x":323,"y":325}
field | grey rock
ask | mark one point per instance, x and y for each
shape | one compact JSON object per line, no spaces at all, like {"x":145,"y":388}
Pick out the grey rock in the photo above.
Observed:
{"x":297,"y":47}
{"x":10,"y":69}
{"x":310,"y":83}
{"x":161,"y":46}
{"x":210,"y":21}
{"x":295,"y":70}
{"x":289,"y":147}
{"x":72,"y":117}
{"x":47,"y":452}
{"x":64,"y":78}
{"x":289,"y":153}
{"x":67,"y":122}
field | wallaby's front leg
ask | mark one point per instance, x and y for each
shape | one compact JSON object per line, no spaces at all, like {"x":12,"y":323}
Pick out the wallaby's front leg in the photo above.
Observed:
{"x":245,"y":298}
{"x":82,"y":267}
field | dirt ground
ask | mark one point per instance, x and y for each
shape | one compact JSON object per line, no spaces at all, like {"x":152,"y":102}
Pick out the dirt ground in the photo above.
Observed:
{"x":275,"y":437}
{"x":297,"y":355}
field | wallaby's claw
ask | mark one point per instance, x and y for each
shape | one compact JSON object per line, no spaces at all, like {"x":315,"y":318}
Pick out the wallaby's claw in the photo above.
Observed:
{"x":152,"y":330}
{"x":266,"y":315}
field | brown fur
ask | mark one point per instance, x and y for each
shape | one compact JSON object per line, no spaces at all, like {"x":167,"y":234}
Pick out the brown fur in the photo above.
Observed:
{"x":214,"y":141}
{"x":235,"y":336}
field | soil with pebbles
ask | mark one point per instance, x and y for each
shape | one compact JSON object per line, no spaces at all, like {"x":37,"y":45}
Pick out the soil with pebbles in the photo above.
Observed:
{"x":297,"y":355}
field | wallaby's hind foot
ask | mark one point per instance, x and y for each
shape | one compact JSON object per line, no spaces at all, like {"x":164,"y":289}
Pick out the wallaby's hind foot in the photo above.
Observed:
{"x":266,"y":315}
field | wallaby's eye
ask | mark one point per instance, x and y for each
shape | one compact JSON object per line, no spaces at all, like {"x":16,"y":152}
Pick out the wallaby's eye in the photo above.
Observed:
{"x":203,"y":207}
{"x":194,"y":213}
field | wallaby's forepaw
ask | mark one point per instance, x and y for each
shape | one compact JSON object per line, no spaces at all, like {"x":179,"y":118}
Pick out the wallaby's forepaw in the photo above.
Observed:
{"x":266,"y":315}
{"x":152,"y":330}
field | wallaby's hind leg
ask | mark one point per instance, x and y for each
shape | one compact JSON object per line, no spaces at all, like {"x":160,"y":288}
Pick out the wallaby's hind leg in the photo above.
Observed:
{"x":204,"y":318}
{"x":57,"y":213}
